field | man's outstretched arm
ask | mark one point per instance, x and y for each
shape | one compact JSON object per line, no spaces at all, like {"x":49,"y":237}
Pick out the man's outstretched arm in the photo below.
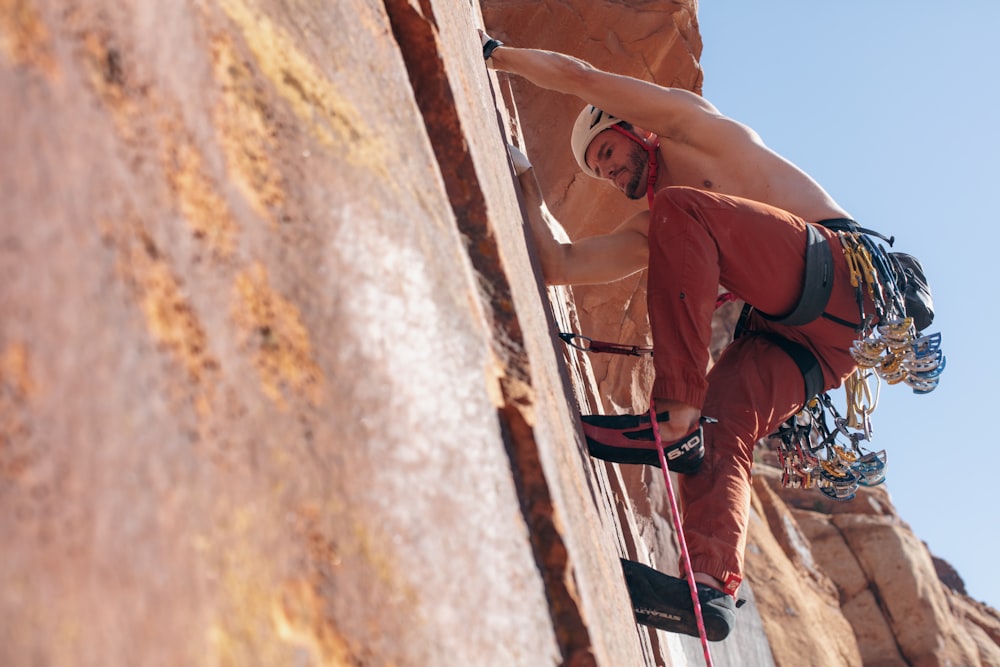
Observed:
{"x":594,"y":260}
{"x":670,"y":112}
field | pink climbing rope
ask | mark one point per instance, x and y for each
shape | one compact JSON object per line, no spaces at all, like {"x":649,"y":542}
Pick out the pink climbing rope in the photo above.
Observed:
{"x":680,"y":535}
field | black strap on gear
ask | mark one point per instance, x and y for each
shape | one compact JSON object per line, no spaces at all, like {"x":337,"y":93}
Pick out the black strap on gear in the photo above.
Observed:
{"x":812,"y":374}
{"x":848,"y":225}
{"x":816,"y":289}
{"x":818,"y":282}
{"x":817,"y":285}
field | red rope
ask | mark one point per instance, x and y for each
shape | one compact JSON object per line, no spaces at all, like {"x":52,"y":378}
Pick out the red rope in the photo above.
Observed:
{"x":680,"y":535}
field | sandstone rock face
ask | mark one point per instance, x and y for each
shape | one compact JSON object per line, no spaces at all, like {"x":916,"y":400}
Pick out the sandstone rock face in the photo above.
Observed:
{"x":873,"y":571}
{"x":278,"y":384}
{"x":250,"y":396}
{"x":795,"y":596}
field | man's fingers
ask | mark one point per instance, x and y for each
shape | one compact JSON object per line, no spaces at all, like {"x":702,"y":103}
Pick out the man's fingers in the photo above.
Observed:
{"x":520,"y":160}
{"x":489,"y":46}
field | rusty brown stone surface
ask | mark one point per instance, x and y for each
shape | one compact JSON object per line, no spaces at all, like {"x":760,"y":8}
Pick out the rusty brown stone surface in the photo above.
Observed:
{"x":794,"y":594}
{"x":278,"y":384}
{"x":276,"y":354}
{"x":864,"y":560}
{"x":248,"y":392}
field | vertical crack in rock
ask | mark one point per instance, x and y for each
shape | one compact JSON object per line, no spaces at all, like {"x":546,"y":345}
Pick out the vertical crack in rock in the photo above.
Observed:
{"x":415,"y":30}
{"x":873,"y":588}
{"x":550,"y":552}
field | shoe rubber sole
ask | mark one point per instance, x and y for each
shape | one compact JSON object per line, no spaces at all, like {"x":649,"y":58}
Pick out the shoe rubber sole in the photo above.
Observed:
{"x":664,"y":602}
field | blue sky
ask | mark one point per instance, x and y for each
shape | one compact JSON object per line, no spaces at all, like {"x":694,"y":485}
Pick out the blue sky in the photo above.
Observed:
{"x":893,"y":108}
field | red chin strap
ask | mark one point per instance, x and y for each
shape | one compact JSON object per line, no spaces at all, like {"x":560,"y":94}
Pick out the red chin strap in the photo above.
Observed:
{"x":650,"y":148}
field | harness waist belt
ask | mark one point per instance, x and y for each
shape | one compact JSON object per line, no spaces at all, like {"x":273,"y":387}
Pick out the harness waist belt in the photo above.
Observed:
{"x":816,"y":289}
{"x":817,"y":284}
{"x":848,"y":225}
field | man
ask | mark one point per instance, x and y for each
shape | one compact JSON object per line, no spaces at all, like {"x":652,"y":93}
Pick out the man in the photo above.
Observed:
{"x":724,"y":209}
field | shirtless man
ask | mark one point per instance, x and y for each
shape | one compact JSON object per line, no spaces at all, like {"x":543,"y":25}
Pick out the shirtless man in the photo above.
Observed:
{"x":724,"y":209}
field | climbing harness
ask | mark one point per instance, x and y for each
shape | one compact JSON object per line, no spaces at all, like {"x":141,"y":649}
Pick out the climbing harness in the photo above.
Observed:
{"x":817,"y":285}
{"x":890,"y":346}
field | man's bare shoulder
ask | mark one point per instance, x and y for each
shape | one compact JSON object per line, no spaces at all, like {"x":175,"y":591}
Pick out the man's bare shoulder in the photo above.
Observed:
{"x":746,"y":167}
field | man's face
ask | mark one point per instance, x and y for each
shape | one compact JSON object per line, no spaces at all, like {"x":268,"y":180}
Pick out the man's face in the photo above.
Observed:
{"x":620,"y":160}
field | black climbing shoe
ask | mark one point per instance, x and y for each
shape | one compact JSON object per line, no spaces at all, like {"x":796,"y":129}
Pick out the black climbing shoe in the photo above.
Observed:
{"x":630,"y":439}
{"x":664,"y":602}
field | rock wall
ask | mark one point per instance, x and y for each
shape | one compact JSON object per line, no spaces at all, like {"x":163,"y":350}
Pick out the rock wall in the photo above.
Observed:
{"x":865,"y":566}
{"x":254,"y":410}
{"x":278,"y":384}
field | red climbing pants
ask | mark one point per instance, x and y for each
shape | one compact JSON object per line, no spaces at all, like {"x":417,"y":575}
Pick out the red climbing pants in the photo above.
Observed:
{"x":697,"y":241}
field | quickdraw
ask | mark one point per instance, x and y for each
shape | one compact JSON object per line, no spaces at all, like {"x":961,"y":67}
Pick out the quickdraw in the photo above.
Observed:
{"x":860,"y":401}
{"x":891,"y":350}
{"x":586,"y":344}
{"x":811,"y":456}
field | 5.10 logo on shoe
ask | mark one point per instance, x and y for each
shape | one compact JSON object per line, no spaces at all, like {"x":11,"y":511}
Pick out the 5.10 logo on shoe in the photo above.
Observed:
{"x":692,"y":443}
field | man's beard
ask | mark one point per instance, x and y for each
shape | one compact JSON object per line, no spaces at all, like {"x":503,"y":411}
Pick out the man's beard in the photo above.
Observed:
{"x":635,"y":188}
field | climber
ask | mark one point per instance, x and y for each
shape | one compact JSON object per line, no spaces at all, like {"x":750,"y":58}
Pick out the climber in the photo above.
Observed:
{"x":724,"y":209}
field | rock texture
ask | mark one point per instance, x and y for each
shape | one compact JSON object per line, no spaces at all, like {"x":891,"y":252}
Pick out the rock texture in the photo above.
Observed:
{"x":877,"y":575}
{"x":278,"y":384}
{"x":250,"y":397}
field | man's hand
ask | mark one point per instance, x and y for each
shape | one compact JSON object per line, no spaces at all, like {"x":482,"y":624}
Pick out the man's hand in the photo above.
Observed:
{"x":489,"y":46}
{"x":520,"y":160}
